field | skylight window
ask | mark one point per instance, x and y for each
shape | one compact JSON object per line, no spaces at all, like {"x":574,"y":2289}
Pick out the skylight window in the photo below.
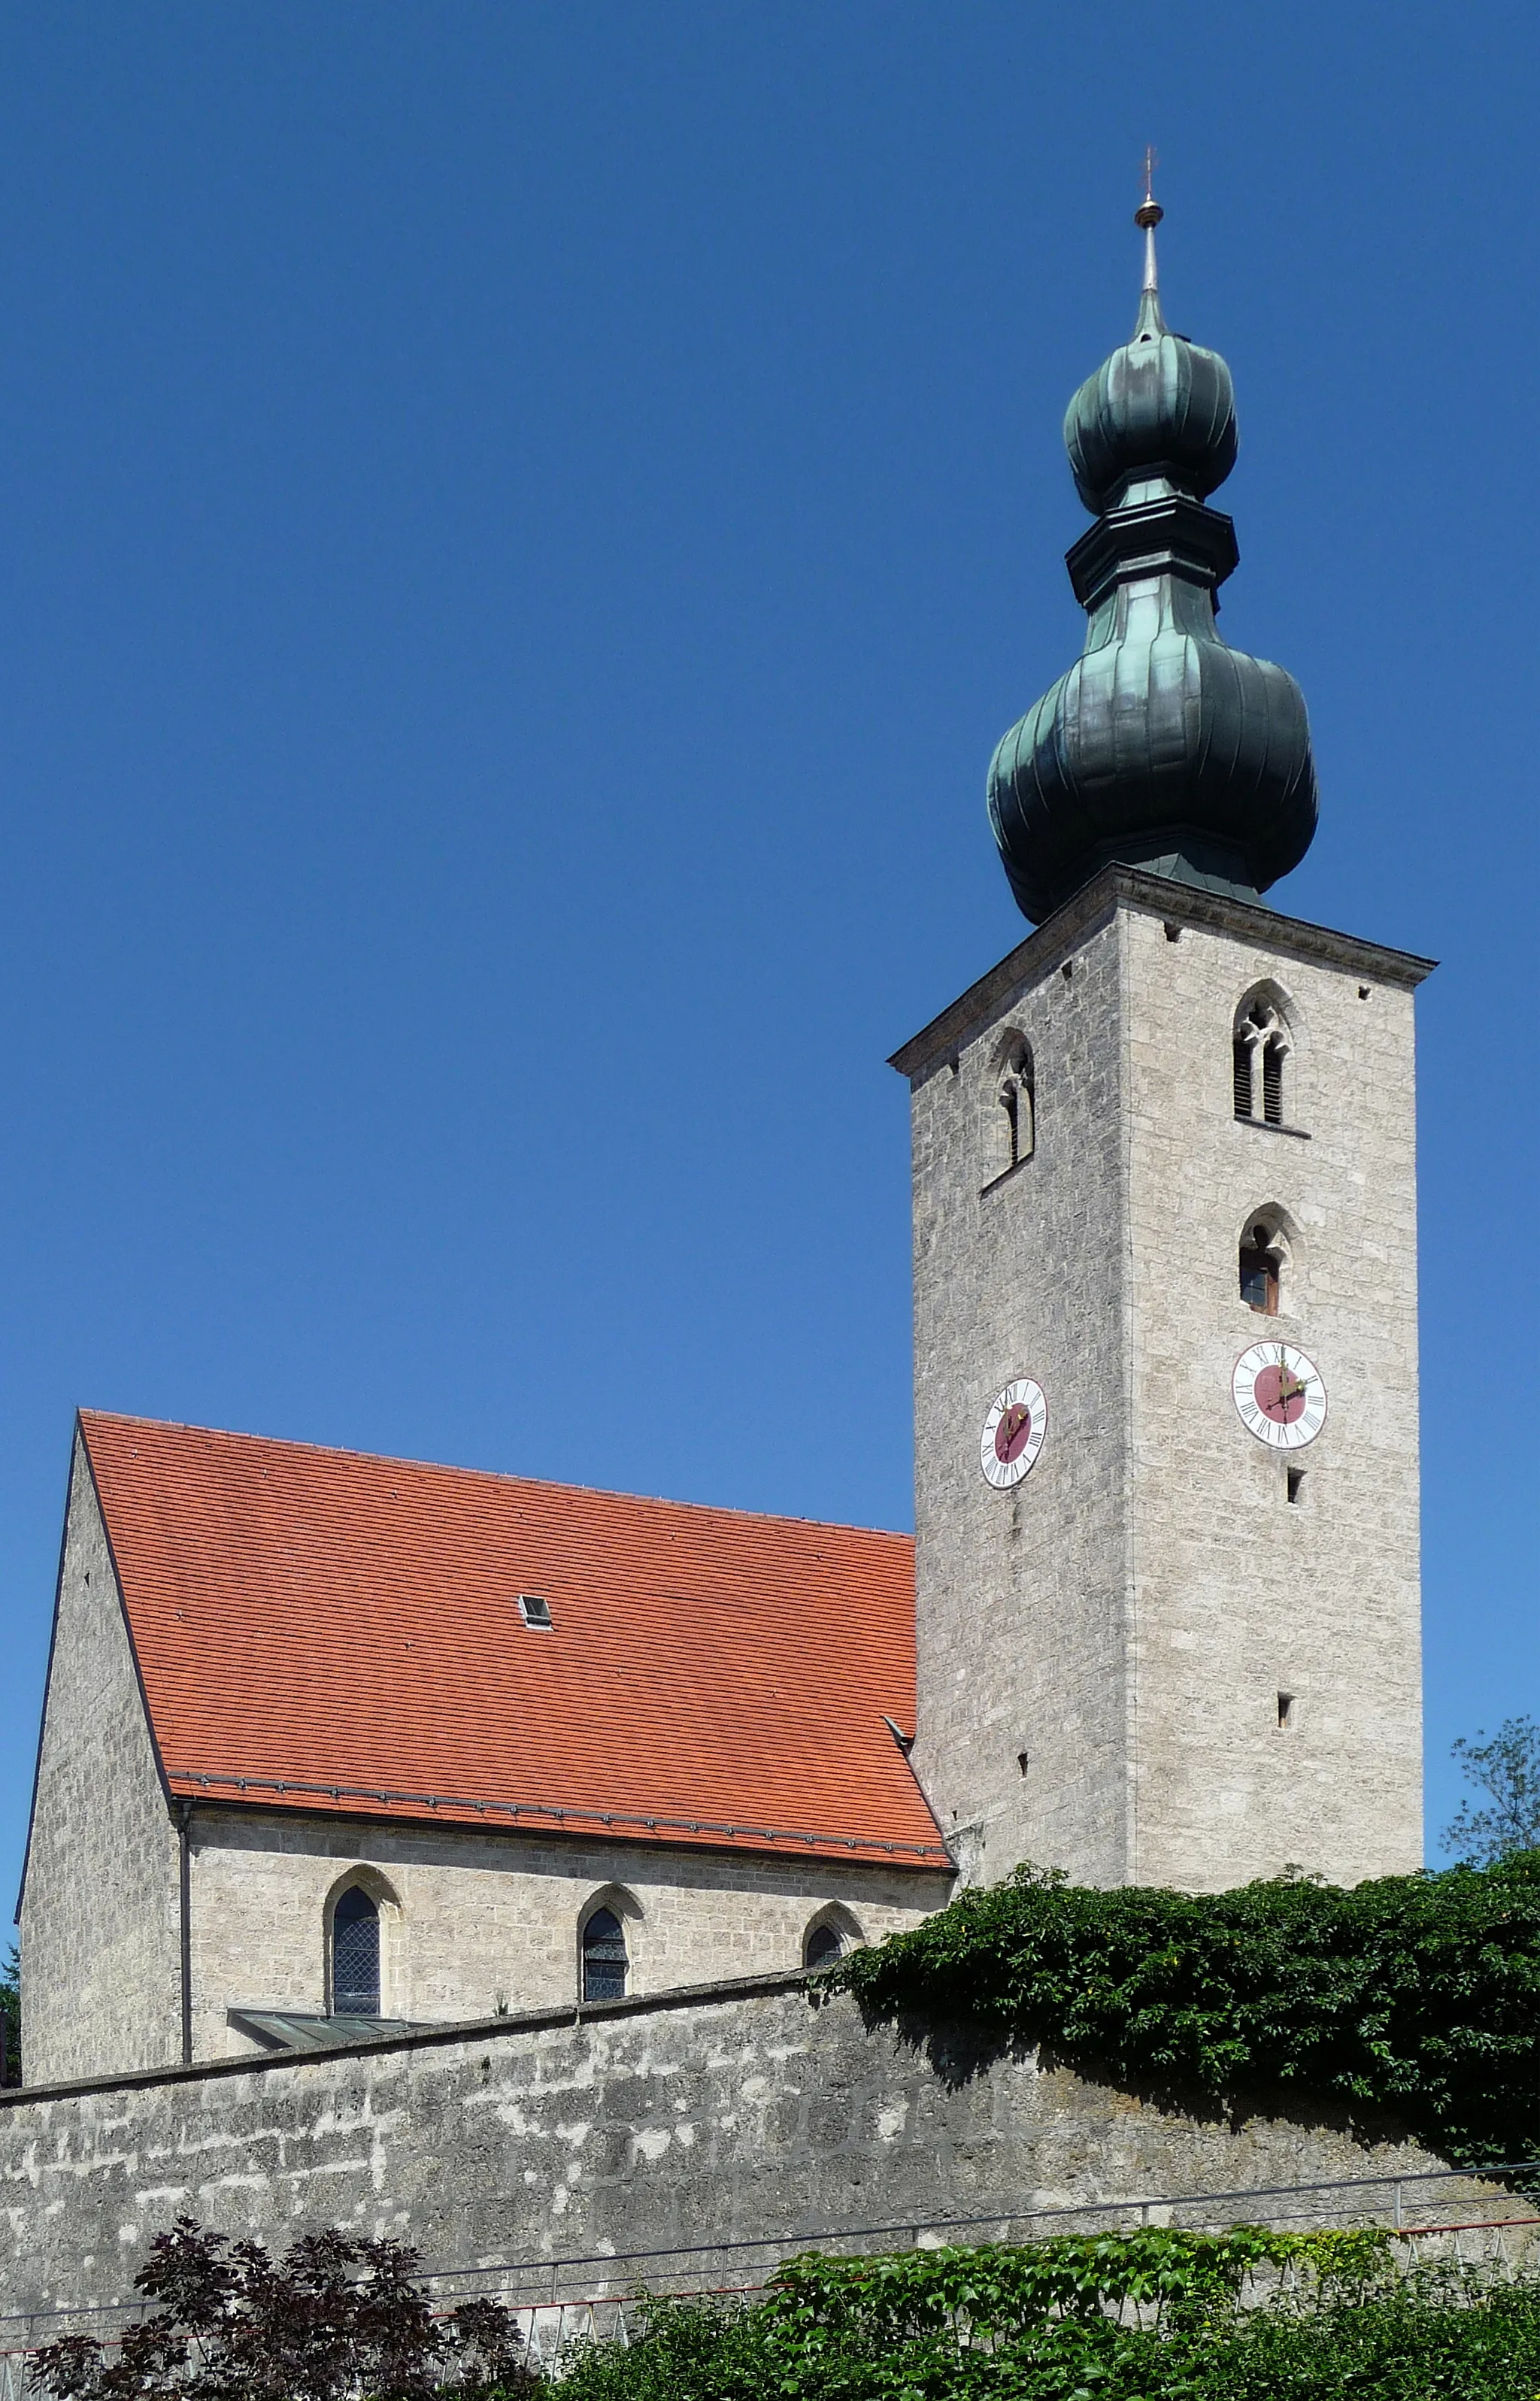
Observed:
{"x":536,"y":1612}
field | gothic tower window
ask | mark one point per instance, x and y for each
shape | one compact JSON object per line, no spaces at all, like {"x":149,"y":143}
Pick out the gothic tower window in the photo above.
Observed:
{"x":1012,"y":1127}
{"x":1260,"y":1050}
{"x":355,"y":1955}
{"x":604,"y":1961}
{"x":1263,"y":1256}
{"x":823,"y":1947}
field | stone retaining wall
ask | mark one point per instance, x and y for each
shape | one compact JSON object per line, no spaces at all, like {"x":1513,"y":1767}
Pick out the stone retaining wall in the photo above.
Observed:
{"x":727,"y":2112}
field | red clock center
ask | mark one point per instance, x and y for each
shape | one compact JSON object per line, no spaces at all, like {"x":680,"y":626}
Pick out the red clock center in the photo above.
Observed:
{"x":1280,"y":1395}
{"x":1013,"y":1434}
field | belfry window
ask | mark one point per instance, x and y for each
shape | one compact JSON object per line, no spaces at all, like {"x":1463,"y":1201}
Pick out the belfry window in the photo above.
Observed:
{"x":1012,"y":1115}
{"x":604,"y":1961}
{"x":355,"y":1956}
{"x":1260,"y":1051}
{"x":1261,"y":1271}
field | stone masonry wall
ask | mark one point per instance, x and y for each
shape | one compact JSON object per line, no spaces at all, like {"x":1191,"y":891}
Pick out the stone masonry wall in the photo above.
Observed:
{"x":1022,"y":1597}
{"x":471,"y":1922}
{"x":101,"y":1944}
{"x":1101,"y":1650}
{"x":731,"y":2113}
{"x":1239,"y":1594}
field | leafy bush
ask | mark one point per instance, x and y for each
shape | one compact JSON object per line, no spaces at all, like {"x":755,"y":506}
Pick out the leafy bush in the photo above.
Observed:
{"x":1415,"y":1995}
{"x":1148,"y":2317}
{"x":336,"y":2319}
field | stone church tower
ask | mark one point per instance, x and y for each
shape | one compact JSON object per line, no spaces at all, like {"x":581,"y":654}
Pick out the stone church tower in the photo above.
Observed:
{"x":1165,"y":1288}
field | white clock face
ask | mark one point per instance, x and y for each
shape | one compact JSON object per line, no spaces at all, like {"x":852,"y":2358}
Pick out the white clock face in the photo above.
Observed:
{"x":1279,"y":1394}
{"x":1013,"y":1430}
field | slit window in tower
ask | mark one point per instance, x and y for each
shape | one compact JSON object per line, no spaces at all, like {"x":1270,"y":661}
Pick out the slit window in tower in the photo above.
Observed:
{"x":1286,"y":1712}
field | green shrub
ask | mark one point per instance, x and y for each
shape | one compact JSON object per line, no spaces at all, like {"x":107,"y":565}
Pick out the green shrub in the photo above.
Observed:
{"x":1417,"y":1995}
{"x":1146,"y":2317}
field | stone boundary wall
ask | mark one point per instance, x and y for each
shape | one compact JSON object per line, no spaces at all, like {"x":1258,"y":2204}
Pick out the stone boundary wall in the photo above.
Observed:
{"x":726,"y":2112}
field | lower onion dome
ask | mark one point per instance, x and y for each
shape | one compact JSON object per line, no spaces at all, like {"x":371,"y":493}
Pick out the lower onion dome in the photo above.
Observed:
{"x":1163,"y":747}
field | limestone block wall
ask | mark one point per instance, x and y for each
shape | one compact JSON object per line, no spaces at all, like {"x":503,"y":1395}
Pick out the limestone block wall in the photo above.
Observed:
{"x":472,"y":1923}
{"x":1102,"y":1651}
{"x":101,"y":1942}
{"x":734,"y":2112}
{"x":1239,"y":1594}
{"x":1022,"y":1598}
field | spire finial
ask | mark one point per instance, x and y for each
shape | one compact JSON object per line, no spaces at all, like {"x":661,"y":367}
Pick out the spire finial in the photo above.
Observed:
{"x":1148,"y":214}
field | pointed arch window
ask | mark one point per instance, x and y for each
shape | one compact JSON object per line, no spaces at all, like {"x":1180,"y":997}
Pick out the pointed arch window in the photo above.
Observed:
{"x":1259,"y":1054}
{"x":1264,"y":1260}
{"x":823,"y":1946}
{"x":355,"y":1955}
{"x":1012,"y":1126}
{"x":604,"y":1960}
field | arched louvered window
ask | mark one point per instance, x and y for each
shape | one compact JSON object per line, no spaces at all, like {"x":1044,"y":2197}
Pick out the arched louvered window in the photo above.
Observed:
{"x":1260,"y":1050}
{"x":604,"y":1961}
{"x":823,"y":1947}
{"x":355,"y":1955}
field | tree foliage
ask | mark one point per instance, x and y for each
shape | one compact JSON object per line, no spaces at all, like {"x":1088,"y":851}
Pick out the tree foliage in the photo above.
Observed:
{"x":1505,"y":1767}
{"x":11,"y":2018}
{"x":1417,"y":1996}
{"x":337,"y":2318}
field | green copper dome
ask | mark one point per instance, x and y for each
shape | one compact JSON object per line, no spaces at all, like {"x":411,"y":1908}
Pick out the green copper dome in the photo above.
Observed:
{"x":1162,"y":745}
{"x":1159,"y":406}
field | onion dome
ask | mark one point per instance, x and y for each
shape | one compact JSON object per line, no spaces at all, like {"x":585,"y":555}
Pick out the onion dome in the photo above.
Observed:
{"x":1162,"y":747}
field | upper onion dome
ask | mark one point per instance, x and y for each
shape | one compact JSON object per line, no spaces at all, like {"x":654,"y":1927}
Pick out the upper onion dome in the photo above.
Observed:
{"x":1159,"y":406}
{"x":1162,"y":747}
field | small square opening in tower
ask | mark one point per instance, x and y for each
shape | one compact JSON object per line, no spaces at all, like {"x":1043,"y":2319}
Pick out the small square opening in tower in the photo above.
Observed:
{"x":1286,"y":1706}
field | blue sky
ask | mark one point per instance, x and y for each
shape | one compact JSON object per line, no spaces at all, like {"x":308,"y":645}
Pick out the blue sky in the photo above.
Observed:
{"x":521,"y":527}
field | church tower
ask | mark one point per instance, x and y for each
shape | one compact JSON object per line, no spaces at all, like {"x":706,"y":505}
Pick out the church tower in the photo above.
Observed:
{"x":1165,"y":1280}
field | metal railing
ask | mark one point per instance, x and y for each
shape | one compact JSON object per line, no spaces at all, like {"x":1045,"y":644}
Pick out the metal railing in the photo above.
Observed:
{"x":596,"y":2293}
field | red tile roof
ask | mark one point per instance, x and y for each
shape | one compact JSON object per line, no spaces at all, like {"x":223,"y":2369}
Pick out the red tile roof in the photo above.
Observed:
{"x":324,"y":1630}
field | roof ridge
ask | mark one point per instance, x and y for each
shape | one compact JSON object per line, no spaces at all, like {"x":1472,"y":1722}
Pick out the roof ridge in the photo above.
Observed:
{"x":490,"y":1475}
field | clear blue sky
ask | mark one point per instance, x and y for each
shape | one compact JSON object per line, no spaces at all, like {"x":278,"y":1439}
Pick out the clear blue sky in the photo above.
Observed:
{"x":521,"y":527}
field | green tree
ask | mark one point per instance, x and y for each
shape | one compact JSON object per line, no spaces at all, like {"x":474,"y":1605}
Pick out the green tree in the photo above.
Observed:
{"x":1506,"y":1769}
{"x":10,"y":2019}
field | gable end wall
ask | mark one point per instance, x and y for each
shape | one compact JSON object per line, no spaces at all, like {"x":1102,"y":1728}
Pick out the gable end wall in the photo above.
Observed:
{"x":100,"y":1924}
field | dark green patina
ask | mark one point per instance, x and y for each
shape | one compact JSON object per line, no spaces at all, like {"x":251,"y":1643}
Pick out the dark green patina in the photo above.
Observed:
{"x":1162,"y":747}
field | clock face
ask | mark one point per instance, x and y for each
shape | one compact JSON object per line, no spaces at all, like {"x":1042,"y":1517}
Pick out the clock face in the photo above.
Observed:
{"x":1280,"y":1395}
{"x":1013,"y":1430}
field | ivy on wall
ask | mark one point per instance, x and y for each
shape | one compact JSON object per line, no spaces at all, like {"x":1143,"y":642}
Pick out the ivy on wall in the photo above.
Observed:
{"x":1417,"y":1995}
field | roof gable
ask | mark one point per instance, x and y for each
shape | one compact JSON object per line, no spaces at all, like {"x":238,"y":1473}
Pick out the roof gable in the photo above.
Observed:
{"x":322,"y":1629}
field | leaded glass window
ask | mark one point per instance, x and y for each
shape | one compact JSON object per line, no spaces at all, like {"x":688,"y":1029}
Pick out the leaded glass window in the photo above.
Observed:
{"x":822,"y":1948}
{"x":603,"y":1957}
{"x":355,"y":1956}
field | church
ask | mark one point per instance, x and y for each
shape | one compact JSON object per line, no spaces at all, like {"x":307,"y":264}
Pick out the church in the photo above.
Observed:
{"x":332,"y":1743}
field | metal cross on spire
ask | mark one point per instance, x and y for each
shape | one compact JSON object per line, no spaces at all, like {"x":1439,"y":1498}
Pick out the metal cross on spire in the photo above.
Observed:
{"x":1148,"y":214}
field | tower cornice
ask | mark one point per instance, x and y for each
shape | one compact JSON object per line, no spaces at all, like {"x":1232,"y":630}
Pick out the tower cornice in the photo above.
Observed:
{"x":1120,"y":886}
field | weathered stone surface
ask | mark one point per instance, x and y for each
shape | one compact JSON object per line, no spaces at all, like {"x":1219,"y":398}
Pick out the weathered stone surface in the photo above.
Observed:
{"x":732,"y":2112}
{"x":1127,"y":1618}
{"x":472,"y":1921}
{"x":100,"y":1916}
